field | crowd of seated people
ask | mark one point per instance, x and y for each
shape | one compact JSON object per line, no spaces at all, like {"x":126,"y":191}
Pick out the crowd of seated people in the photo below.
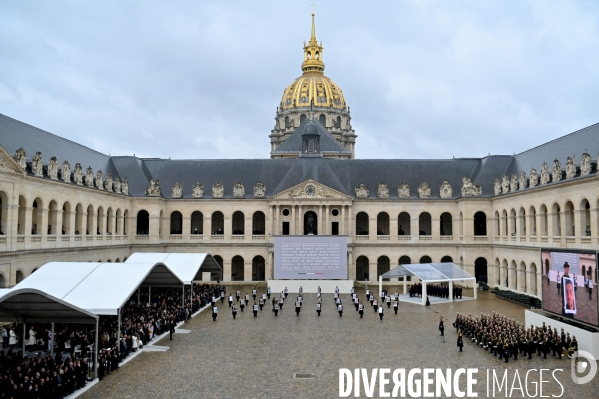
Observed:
{"x":43,"y":376}
{"x":506,"y":338}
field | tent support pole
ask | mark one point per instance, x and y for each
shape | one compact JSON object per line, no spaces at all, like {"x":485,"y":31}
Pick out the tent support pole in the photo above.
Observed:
{"x":423,"y":283}
{"x":405,"y":285}
{"x":52,"y":342}
{"x":381,"y":287}
{"x":24,"y":329}
{"x":96,"y":348}
{"x":118,"y":334}
{"x":450,"y":291}
{"x":474,"y":289}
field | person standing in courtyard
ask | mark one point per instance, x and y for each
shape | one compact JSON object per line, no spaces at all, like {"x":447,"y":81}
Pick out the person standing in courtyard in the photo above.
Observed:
{"x":255,"y":310}
{"x":340,"y":309}
{"x":222,"y":296}
{"x":254,"y":293}
{"x":268,"y":291}
{"x":590,"y":288}
{"x":234,"y":311}
{"x":388,"y":299}
{"x":286,"y":292}
{"x":318,"y":306}
{"x":242,"y":304}
{"x":356,"y":302}
{"x":275,"y":307}
{"x":237,"y":295}
{"x":281,"y":300}
{"x":361,"y":309}
{"x":442,"y":327}
{"x":214,"y":312}
{"x":381,"y":312}
{"x":298,"y":307}
{"x":230,"y":299}
{"x":460,"y":341}
{"x":261,"y":303}
{"x":395,"y":305}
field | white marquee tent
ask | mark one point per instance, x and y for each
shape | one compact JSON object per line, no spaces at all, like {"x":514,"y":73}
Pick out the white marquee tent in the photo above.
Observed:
{"x":187,"y":266}
{"x":430,"y":273}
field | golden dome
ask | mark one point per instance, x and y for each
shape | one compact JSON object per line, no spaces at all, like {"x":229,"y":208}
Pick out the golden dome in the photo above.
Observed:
{"x":313,"y":85}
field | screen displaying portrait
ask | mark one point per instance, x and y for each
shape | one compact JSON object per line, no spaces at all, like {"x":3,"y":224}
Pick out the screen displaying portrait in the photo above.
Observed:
{"x":569,"y":281}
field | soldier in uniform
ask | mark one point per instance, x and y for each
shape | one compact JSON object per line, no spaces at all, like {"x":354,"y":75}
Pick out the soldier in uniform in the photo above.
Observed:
{"x":318,"y":306}
{"x":381,"y":312}
{"x":340,"y":309}
{"x":255,"y":310}
{"x":361,"y":309}
{"x":356,"y":302}
{"x":286,"y":292}
{"x":275,"y":308}
{"x":298,"y":307}
{"x":214,"y":312}
{"x":222,"y":296}
{"x":254,"y":293}
{"x":388,"y":299}
{"x":268,"y":290}
{"x":237,"y":295}
{"x":441,"y":327}
{"x":242,"y":304}
{"x":261,"y":303}
{"x":234,"y":311}
{"x":395,"y":305}
{"x":230,"y":300}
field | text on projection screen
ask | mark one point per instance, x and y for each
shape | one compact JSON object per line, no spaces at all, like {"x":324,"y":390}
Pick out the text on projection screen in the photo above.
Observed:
{"x":310,"y":257}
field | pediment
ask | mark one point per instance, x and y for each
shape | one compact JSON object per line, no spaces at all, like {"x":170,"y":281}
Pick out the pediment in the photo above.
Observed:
{"x":8,"y":163}
{"x":310,"y":189}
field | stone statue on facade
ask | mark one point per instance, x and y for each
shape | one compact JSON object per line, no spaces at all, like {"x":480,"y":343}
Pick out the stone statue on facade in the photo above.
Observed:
{"x":470,"y":189}
{"x":424,"y":190}
{"x":65,"y":172}
{"x":177,"y":191}
{"x":36,"y":164}
{"x":259,"y":190}
{"x":218,"y":191}
{"x":108,"y":182}
{"x":100,"y":180}
{"x":445,"y":190}
{"x":238,"y":190}
{"x":197,"y":191}
{"x":324,"y":192}
{"x":89,"y":177}
{"x":296,"y":192}
{"x":362,"y":191}
{"x":570,"y":167}
{"x":585,"y":164}
{"x":117,"y":184}
{"x":383,"y":191}
{"x":505,"y":185}
{"x":53,"y":168}
{"x":523,"y":183}
{"x":544,"y":173}
{"x":78,"y":174}
{"x":534,"y":177}
{"x":497,"y":186}
{"x":557,"y":170}
{"x":154,"y":189}
{"x":514,"y":183}
{"x":125,"y":187}
{"x":403,"y":191}
{"x":21,"y":158}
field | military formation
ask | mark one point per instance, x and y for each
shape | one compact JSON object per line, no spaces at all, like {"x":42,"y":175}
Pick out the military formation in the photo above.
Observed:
{"x":506,"y":338}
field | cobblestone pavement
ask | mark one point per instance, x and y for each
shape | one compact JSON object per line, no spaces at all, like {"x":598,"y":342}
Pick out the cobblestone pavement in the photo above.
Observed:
{"x":258,"y":357}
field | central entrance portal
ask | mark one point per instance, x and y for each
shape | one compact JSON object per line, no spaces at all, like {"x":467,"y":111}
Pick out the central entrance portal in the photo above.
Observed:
{"x":310,"y":223}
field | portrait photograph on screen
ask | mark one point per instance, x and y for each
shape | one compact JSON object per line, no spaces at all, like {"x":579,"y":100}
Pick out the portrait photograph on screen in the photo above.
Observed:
{"x":566,"y":288}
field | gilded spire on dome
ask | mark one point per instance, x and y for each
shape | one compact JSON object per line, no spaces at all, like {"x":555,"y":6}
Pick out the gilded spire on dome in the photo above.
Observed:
{"x":313,"y":53}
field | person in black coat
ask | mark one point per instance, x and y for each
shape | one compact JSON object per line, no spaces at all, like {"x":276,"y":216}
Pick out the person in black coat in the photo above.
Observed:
{"x":460,"y":341}
{"x":442,"y":327}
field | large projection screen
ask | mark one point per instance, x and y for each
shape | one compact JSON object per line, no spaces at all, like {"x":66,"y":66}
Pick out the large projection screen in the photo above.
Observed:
{"x":310,"y":258}
{"x":565,"y":279}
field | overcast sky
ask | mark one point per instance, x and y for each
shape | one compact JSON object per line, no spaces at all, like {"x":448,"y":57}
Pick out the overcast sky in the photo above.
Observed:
{"x":202,"y":79}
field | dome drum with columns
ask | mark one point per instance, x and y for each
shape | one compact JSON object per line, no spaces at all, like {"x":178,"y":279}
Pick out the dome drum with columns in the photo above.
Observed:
{"x":313,"y":87}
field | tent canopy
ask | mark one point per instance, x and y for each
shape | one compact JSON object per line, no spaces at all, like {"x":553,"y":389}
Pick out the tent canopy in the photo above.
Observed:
{"x":430,"y":272}
{"x":187,"y":266}
{"x":100,"y":288}
{"x":34,"y":306}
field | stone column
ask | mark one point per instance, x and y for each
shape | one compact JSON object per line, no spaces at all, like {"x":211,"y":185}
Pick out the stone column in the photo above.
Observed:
{"x":414,"y":228}
{"x":270,"y":266}
{"x":185,"y":227}
{"x":578,"y":225}
{"x":43,"y":231}
{"x":372,"y":266}
{"x":320,"y":229}
{"x":372,"y":225}
{"x":562,"y":223}
{"x":226,"y":270}
{"x":270,"y":222}
{"x":593,"y":222}
{"x":247,"y":273}
{"x":343,"y":227}
{"x":248,"y":228}
{"x":436,"y":228}
{"x":393,"y":226}
{"x":292,"y":226}
{"x":277,"y":229}
{"x":11,"y":229}
{"x":300,"y":221}
{"x":154,"y":227}
{"x":350,"y":222}
{"x":58,"y":224}
{"x":327,"y":228}
{"x":351,"y":270}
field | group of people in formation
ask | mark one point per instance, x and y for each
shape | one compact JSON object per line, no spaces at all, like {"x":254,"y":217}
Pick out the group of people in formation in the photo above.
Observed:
{"x":436,"y":290}
{"x":506,"y":338}
{"x":240,"y":302}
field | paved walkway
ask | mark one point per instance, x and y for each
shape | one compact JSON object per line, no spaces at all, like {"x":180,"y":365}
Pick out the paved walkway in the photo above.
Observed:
{"x":258,"y":357}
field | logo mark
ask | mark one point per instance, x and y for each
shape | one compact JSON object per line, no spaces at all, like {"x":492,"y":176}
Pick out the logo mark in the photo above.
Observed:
{"x":581,"y":362}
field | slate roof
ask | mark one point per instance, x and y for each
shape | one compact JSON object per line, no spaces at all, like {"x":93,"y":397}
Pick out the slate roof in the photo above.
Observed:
{"x":278,"y":175}
{"x":293,"y":144}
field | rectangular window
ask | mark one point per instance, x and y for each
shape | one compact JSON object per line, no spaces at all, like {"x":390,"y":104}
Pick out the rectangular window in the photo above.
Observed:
{"x":285,"y":228}
{"x":335,"y":229}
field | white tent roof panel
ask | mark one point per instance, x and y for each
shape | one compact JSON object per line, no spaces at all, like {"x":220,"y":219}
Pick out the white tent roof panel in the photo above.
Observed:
{"x":430,"y":272}
{"x":187,"y":266}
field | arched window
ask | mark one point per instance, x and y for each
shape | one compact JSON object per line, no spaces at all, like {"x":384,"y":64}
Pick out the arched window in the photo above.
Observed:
{"x":218,"y":223}
{"x":480,"y":269}
{"x":53,"y":218}
{"x":338,"y":123}
{"x":522,"y":221}
{"x":176,"y":223}
{"x":362,"y":224}
{"x":89,"y":229}
{"x":143,"y":222}
{"x":219,"y":261}
{"x":258,"y":268}
{"x":2,"y":281}
{"x":532,"y":221}
{"x":109,"y":221}
{"x":19,"y":276}
{"x":238,"y":223}
{"x":557,"y":228}
{"x":504,"y":230}
{"x":66,"y":219}
{"x":480,"y":224}
{"x":258,"y":223}
{"x":287,"y":122}
{"x":426,"y":259}
{"x":446,"y":224}
{"x":21,"y":228}
{"x":447,"y":259}
{"x":512,"y":222}
{"x":570,"y":224}
{"x":302,"y":118}
{"x":424,"y":224}
{"x":79,"y":219}
{"x":382,"y":266}
{"x":405,"y":260}
{"x":543,"y":219}
{"x":533,"y":279}
{"x":585,"y":220}
{"x":125,"y":221}
{"x":197,"y":223}
{"x":237,"y":269}
{"x":36,"y":217}
{"x":382,"y":224}
{"x":322,"y":119}
{"x":362,"y":266}
{"x":100,"y":219}
{"x":404,"y":224}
